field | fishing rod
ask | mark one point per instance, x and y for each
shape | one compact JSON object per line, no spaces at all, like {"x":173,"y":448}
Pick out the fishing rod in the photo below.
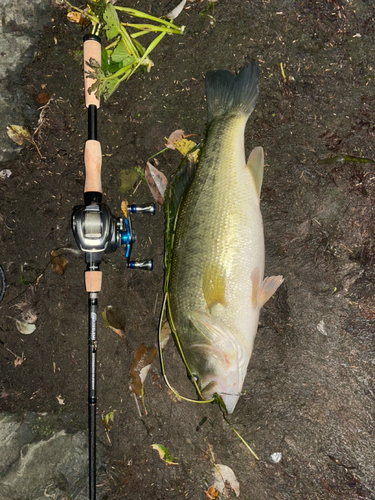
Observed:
{"x":96,"y":230}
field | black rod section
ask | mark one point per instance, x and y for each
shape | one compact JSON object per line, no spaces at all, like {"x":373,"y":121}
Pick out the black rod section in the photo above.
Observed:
{"x":92,"y":345}
{"x":92,"y":122}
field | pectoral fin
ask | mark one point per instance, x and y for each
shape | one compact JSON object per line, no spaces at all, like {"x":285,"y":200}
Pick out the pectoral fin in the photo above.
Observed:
{"x":210,"y":329}
{"x":213,"y":285}
{"x":255,"y":163}
{"x":220,"y":341}
{"x":269,"y":287}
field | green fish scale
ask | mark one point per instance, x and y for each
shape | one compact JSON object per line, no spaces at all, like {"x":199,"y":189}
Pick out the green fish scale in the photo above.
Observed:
{"x":214,"y":228}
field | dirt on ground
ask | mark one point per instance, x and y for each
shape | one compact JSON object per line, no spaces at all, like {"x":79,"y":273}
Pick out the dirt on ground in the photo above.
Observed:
{"x":309,"y":392}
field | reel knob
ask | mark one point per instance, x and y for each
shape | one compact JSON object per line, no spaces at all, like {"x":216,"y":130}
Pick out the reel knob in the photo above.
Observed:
{"x":142,"y":209}
{"x":146,"y":265}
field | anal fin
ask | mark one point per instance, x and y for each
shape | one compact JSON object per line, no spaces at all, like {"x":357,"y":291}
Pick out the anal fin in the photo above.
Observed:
{"x":269,"y":287}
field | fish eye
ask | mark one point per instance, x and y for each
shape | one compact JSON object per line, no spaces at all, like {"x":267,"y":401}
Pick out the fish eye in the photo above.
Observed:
{"x":195,"y":377}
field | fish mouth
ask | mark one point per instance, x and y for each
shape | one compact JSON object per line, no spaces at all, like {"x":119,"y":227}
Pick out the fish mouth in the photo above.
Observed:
{"x":229,"y":395}
{"x":220,"y":360}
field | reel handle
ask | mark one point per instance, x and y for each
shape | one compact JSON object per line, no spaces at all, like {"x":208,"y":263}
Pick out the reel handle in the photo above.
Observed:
{"x":93,"y":151}
{"x":142,"y":209}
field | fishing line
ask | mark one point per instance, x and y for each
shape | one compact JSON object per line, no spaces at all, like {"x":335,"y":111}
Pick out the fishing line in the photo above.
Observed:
{"x":3,"y":284}
{"x":183,"y":358}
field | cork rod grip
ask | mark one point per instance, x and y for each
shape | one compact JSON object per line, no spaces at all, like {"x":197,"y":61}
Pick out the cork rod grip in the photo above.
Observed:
{"x":93,"y":166}
{"x":91,"y":50}
{"x":93,"y":281}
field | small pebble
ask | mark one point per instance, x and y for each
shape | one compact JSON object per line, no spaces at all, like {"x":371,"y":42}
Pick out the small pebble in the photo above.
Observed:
{"x":276,"y":457}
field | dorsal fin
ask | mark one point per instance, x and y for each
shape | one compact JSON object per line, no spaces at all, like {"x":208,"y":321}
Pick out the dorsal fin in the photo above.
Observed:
{"x":175,"y":192}
{"x":182,"y":180}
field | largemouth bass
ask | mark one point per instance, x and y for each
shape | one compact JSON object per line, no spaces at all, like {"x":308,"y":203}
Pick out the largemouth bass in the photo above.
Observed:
{"x":216,"y":286}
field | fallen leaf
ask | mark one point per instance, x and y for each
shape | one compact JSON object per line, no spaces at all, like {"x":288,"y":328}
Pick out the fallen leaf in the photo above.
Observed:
{"x":25,"y":327}
{"x":29,"y":316}
{"x":60,"y":400}
{"x":128,"y":178}
{"x":163,"y":454}
{"x":176,"y":11}
{"x":177,"y":135}
{"x":26,"y":308}
{"x":224,"y":478}
{"x":107,"y":421}
{"x":156,"y":181}
{"x":19,"y":134}
{"x":211,"y":493}
{"x":143,"y":373}
{"x":78,"y":18}
{"x":178,"y":140}
{"x":73,"y":17}
{"x":184,"y":146}
{"x":124,"y":208}
{"x":58,"y":262}
{"x":5,"y":173}
{"x":114,"y":318}
{"x":143,"y":357}
{"x":18,"y":359}
{"x":165,"y":334}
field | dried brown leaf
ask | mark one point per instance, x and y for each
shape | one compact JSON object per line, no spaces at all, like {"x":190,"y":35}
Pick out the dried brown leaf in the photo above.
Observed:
{"x":165,"y":334}
{"x":114,"y":318}
{"x":211,"y":493}
{"x":156,"y":181}
{"x":19,"y":360}
{"x":176,"y":11}
{"x":143,"y":357}
{"x":58,"y":262}
{"x":175,"y":136}
{"x":224,"y":479}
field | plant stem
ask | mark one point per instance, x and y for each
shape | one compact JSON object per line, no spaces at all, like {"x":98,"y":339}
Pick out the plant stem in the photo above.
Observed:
{"x":143,"y":15}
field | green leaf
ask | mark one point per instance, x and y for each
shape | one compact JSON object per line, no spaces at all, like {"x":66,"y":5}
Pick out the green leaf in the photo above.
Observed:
{"x":107,"y":420}
{"x":163,"y":454}
{"x":111,"y":86}
{"x":109,"y":66}
{"x":121,"y":54}
{"x":127,"y":178}
{"x":112,"y":23}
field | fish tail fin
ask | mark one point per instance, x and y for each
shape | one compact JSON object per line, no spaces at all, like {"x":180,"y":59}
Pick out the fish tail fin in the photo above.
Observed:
{"x":226,"y":91}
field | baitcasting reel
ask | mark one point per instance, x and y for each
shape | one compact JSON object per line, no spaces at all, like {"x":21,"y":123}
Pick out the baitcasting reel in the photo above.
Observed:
{"x":97,"y":230}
